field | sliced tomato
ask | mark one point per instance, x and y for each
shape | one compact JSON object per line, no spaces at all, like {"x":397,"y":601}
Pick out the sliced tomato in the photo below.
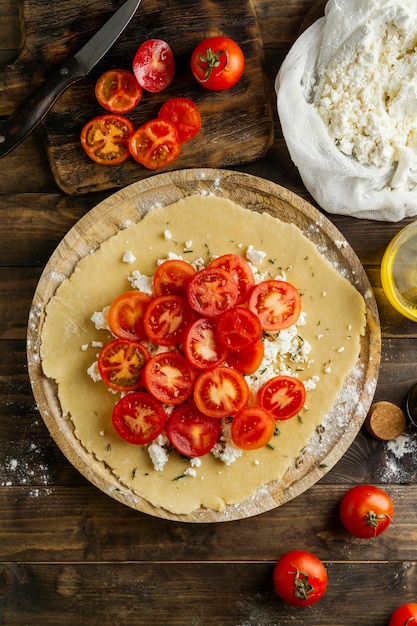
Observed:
{"x":172,"y":277}
{"x":277,"y":304}
{"x":212,"y":291}
{"x":138,"y":417}
{"x":221,"y":392}
{"x":252,"y":428}
{"x":155,"y":144}
{"x":169,"y":377}
{"x":247,"y":361}
{"x":125,"y":316}
{"x":118,"y":91}
{"x":185,"y":116}
{"x":240,"y":270}
{"x":283,"y":396}
{"x":238,"y":328}
{"x":154,"y":65}
{"x":121,"y":362}
{"x":166,"y":319}
{"x":190,"y":432}
{"x":106,"y":139}
{"x":201,"y":346}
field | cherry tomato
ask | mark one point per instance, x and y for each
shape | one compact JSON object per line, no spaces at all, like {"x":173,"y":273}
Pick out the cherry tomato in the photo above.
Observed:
{"x":201,"y":346}
{"x":125,"y":316}
{"x":221,"y":392}
{"x":185,"y":116}
{"x":118,"y":91}
{"x":121,"y":362}
{"x":169,"y":377}
{"x":155,"y":144}
{"x":252,"y":428}
{"x":404,"y":615}
{"x":247,"y":361}
{"x":300,"y":578}
{"x":138,"y":417}
{"x":277,"y":304}
{"x":106,"y":139}
{"x":172,"y":277}
{"x":241,"y":272}
{"x":154,"y":65}
{"x":166,"y":319}
{"x":366,"y":511}
{"x":211,"y":291}
{"x":190,"y":432}
{"x":238,"y":328}
{"x":217,"y":63}
{"x":283,"y":396}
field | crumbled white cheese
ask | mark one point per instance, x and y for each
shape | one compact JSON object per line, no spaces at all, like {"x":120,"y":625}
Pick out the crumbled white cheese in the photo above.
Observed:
{"x":158,"y":452}
{"x":129,"y":257}
{"x":167,"y":235}
{"x":99,"y":319}
{"x":141,"y":282}
{"x":256,"y":257}
{"x":224,"y":449}
{"x":93,"y":372}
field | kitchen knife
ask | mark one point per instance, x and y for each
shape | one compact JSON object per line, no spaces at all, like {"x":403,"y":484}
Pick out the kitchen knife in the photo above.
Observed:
{"x":32,"y":110}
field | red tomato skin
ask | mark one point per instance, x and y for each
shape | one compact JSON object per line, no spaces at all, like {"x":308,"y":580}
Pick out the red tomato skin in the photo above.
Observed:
{"x":277,"y":304}
{"x":166,"y":318}
{"x":366,"y":511}
{"x":247,"y":361}
{"x":404,"y":615}
{"x":185,"y":116}
{"x":218,"y":404}
{"x":132,"y":357}
{"x":155,"y":144}
{"x":291,"y":569}
{"x":105,"y":138}
{"x":217,"y":63}
{"x":201,"y":346}
{"x":252,"y":428}
{"x":138,"y":418}
{"x":154,"y":65}
{"x":118,"y":91}
{"x":283,"y":396}
{"x":241,"y":272}
{"x":169,"y":377}
{"x":125,"y":316}
{"x":172,"y":277}
{"x":212,"y":291}
{"x":190,"y":432}
{"x":238,"y":328}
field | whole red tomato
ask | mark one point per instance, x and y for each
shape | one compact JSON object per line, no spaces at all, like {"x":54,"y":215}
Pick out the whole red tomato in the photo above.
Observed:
{"x":300,"y":578}
{"x":217,"y":63}
{"x":366,"y":511}
{"x":404,"y":615}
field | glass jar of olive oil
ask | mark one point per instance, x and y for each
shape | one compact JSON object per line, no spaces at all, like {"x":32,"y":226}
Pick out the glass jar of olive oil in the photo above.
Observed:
{"x":399,"y":271}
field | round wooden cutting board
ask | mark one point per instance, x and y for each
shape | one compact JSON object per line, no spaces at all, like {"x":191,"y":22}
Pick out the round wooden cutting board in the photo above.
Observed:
{"x":130,"y":205}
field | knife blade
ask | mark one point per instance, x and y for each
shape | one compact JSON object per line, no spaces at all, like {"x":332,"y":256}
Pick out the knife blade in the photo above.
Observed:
{"x":34,"y":108}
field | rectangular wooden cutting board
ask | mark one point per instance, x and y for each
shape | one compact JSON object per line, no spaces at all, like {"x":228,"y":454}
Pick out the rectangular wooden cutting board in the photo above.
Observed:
{"x":237,"y":124}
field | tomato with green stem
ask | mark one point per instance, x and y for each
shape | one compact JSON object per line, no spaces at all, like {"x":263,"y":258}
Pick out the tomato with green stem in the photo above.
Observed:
{"x":217,"y":63}
{"x":300,"y":578}
{"x":366,"y":511}
{"x":404,"y":615}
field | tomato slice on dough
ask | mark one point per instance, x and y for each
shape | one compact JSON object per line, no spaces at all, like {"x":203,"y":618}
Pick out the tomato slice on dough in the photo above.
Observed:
{"x":138,"y":418}
{"x":221,"y":392}
{"x":190,"y":432}
{"x":166,"y":319}
{"x":277,"y":304}
{"x":248,"y":360}
{"x":240,"y":270}
{"x":252,"y":428}
{"x":120,"y":363}
{"x":125,"y":316}
{"x":283,"y":396}
{"x":169,"y":377}
{"x":201,"y":346}
{"x":238,"y":328}
{"x":212,"y":291}
{"x":172,"y":277}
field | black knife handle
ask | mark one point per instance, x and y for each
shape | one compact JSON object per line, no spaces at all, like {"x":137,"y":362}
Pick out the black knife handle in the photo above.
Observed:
{"x":34,"y":108}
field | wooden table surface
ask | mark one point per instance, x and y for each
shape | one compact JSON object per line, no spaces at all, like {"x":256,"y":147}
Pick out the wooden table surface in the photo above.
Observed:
{"x":71,"y":555}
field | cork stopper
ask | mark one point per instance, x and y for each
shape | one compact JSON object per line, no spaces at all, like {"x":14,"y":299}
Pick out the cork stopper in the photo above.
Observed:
{"x":385,"y":421}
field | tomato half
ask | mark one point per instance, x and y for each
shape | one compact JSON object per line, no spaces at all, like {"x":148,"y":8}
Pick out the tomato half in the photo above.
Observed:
{"x":138,"y":418}
{"x":252,"y":428}
{"x":125,"y":316}
{"x":155,"y":144}
{"x":277,"y":304}
{"x":185,"y":116}
{"x":154,"y":65}
{"x":169,"y":377}
{"x":171,"y":277}
{"x":366,"y":511}
{"x":300,"y":578}
{"x":217,"y":63}
{"x":283,"y":396}
{"x":106,"y":139}
{"x":404,"y":615}
{"x":241,"y":272}
{"x":166,"y":319}
{"x":201,"y":346}
{"x":118,"y":91}
{"x":238,"y":328}
{"x":221,"y":392}
{"x":190,"y":432}
{"x":212,"y":291}
{"x":247,"y":361}
{"x":121,"y":362}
